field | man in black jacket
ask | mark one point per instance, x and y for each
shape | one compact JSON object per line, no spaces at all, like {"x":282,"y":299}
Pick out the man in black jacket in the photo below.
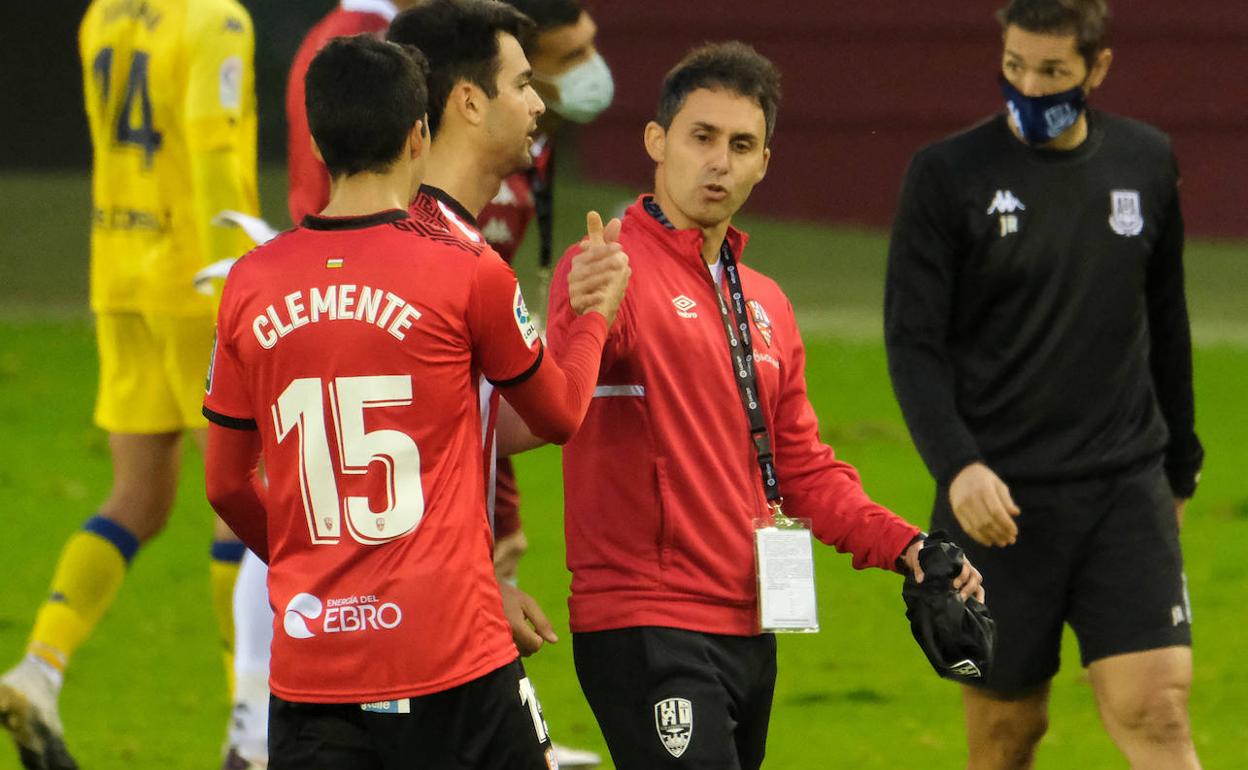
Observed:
{"x":1039,"y":346}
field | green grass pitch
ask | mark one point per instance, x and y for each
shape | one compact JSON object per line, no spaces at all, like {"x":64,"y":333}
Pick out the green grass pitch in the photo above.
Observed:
{"x":147,"y":690}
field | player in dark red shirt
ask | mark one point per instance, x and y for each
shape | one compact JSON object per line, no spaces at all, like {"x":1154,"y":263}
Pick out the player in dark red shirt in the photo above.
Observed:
{"x":348,"y":356}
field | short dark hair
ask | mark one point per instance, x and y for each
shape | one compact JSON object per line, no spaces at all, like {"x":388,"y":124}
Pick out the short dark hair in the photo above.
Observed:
{"x":733,"y":66}
{"x":363,"y":96}
{"x":460,"y":40}
{"x":549,"y":14}
{"x":1085,"y":19}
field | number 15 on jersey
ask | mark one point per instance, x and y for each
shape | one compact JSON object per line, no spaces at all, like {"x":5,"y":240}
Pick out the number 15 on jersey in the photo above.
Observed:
{"x":300,"y":410}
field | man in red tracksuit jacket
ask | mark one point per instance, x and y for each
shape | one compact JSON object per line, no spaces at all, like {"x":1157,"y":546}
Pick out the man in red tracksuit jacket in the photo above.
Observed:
{"x":663,"y":482}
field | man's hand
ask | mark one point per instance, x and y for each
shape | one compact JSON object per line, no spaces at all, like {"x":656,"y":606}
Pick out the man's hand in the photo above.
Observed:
{"x":982,"y":504}
{"x":969,"y":583}
{"x":600,"y":273}
{"x":529,"y":627}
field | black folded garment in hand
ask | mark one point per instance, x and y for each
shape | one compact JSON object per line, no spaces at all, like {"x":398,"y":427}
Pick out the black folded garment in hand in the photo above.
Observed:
{"x":957,"y":636}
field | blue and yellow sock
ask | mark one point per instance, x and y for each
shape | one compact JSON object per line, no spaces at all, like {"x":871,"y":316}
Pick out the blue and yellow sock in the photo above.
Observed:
{"x":88,"y":575}
{"x":227,"y":555}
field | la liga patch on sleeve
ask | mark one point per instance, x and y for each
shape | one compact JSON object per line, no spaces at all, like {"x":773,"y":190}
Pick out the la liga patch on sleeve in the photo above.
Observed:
{"x":212,"y":364}
{"x":230,"y":91}
{"x":524,"y":321}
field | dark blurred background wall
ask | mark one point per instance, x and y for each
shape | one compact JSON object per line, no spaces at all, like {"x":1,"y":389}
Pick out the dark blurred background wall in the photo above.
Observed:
{"x":43,"y":125}
{"x":866,"y":84}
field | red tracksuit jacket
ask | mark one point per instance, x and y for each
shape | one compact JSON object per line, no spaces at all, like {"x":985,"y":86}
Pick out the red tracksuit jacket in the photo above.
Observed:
{"x":662,"y":482}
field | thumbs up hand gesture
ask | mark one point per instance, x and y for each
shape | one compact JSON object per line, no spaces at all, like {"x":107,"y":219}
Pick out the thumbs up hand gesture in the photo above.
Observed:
{"x":600,"y":273}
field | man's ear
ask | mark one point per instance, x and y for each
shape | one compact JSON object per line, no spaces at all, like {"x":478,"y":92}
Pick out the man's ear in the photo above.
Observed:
{"x":467,"y":101}
{"x":316,"y":151}
{"x":766,"y":162}
{"x":656,"y":141}
{"x":1100,"y":68}
{"x":416,"y":138}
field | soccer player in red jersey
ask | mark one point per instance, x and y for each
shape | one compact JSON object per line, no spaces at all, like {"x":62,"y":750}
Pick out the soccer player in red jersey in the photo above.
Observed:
{"x":348,"y":354}
{"x":564,"y":45}
{"x":575,"y":83}
{"x":567,"y":70}
{"x":483,"y":113}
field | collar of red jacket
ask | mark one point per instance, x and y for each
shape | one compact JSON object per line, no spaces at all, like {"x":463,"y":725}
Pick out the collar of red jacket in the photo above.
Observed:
{"x":686,"y":242}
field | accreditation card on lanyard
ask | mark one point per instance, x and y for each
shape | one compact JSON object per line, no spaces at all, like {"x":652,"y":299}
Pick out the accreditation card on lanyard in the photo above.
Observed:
{"x":783,"y":553}
{"x":784,"y":558}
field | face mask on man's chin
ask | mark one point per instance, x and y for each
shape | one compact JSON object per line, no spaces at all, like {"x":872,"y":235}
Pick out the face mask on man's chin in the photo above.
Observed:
{"x":583,"y":91}
{"x":1041,"y":119}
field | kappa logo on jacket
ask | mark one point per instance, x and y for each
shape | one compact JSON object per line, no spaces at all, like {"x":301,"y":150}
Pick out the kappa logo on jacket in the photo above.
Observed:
{"x":684,"y":306}
{"x":496,"y":231}
{"x":1005,"y":202}
{"x":1006,"y":205}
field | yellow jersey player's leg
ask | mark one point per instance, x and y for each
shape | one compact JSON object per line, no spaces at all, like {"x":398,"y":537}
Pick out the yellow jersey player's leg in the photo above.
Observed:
{"x":185,"y":344}
{"x":169,"y":96}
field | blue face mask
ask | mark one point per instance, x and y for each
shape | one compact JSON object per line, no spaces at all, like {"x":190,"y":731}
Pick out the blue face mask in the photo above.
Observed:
{"x":1041,"y":119}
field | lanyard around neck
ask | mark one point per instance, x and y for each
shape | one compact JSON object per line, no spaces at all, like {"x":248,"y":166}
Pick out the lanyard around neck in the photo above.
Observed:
{"x":741,"y":348}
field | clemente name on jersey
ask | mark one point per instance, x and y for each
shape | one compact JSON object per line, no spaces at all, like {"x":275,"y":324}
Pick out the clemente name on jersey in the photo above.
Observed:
{"x":336,"y":302}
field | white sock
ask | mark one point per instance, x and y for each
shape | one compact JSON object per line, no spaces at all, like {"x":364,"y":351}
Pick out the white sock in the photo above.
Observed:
{"x":53,"y":674}
{"x":253,"y":633}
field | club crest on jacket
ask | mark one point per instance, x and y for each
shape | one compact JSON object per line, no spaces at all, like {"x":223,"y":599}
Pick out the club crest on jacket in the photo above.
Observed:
{"x":762,"y":321}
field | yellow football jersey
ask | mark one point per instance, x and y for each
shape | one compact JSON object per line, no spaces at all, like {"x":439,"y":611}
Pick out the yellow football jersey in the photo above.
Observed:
{"x":170,"y":98}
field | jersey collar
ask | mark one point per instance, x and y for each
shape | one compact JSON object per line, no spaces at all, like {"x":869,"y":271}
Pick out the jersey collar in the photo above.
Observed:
{"x":455,"y":206}
{"x":317,"y":222}
{"x":382,"y":8}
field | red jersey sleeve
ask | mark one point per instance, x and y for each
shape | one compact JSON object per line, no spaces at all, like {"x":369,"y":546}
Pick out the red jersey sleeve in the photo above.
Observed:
{"x":234,"y":486}
{"x":226,"y":400}
{"x":818,"y":486}
{"x":554,"y":400}
{"x":231,"y":478}
{"x":506,"y":345}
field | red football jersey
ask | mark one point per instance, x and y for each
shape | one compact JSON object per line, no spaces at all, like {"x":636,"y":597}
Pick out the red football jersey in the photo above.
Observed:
{"x":308,"y":179}
{"x":355,"y":346}
{"x":436,"y":209}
